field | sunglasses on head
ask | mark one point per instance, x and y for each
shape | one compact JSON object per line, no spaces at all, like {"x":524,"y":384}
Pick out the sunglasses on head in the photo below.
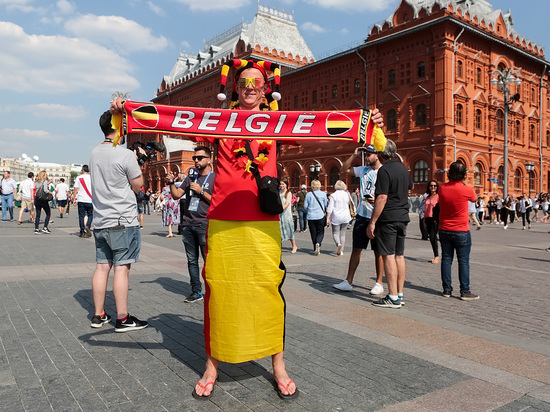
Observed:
{"x":244,"y":82}
{"x":198,"y":158}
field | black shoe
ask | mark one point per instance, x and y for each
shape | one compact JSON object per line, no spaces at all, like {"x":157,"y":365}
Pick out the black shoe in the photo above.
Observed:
{"x":194,"y":297}
{"x":468,"y":296}
{"x":46,"y":230}
{"x":446,"y":294}
{"x":131,"y":323}
{"x":99,"y":321}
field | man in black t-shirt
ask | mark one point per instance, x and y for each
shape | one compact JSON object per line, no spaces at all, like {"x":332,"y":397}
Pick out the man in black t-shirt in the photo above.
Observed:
{"x":197,"y":189}
{"x":389,"y":222}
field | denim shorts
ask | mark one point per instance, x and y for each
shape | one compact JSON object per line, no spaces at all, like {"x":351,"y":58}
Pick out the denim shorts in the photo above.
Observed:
{"x":391,"y":238}
{"x":140,"y":208}
{"x":119,"y":247}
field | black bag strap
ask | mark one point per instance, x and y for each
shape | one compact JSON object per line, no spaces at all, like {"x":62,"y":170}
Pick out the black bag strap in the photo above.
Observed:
{"x":253,"y":166}
{"x":320,"y":205}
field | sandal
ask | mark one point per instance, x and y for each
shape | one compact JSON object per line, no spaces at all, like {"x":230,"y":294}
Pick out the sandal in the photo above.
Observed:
{"x":283,"y":396}
{"x":203,"y":397}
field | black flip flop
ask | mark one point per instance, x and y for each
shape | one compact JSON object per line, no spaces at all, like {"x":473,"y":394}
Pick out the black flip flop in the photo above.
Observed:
{"x":204,"y":397}
{"x":283,"y":396}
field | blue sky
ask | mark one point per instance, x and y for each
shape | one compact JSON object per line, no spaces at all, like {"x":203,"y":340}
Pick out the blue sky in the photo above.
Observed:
{"x":61,"y":60}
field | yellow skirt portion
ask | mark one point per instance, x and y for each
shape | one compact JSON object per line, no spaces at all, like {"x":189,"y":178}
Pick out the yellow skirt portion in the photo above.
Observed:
{"x":244,"y":306}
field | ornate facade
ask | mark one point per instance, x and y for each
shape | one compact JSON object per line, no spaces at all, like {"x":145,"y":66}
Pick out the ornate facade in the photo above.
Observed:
{"x":428,"y":68}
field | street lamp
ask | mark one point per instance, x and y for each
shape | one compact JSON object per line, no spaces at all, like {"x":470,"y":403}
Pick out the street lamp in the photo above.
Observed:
{"x":315,"y":169}
{"x":530,"y":168}
{"x":501,"y":79}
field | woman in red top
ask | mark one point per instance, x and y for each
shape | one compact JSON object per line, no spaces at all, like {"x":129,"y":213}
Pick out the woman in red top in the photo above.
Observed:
{"x":431,"y":221}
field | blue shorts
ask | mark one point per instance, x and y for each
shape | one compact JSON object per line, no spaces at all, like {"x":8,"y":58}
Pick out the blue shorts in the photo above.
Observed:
{"x":117,"y":246}
{"x":62,"y":203}
{"x":140,"y":208}
{"x":360,"y":238}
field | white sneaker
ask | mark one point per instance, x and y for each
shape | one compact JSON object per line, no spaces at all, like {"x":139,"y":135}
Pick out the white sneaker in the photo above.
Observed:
{"x":377,"y":289}
{"x":339,"y":251}
{"x":317,"y":249}
{"x":505,"y":227}
{"x":344,"y":286}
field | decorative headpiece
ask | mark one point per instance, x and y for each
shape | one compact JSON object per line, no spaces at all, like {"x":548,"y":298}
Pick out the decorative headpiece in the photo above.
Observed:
{"x":272,"y":96}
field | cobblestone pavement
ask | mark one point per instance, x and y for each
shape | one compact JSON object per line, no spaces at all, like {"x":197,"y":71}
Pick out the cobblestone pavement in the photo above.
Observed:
{"x":434,"y":354}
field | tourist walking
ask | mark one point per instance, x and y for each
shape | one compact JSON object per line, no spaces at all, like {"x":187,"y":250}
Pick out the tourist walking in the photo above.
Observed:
{"x":338,"y":215}
{"x":316,"y":207}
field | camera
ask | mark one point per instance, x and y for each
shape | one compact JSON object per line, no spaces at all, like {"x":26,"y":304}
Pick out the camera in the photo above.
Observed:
{"x":151,"y":148}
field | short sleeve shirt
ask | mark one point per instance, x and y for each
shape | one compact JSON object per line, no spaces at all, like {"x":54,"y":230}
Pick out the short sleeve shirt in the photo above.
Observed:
{"x":367,"y":182}
{"x":395,"y":182}
{"x":453,"y":206}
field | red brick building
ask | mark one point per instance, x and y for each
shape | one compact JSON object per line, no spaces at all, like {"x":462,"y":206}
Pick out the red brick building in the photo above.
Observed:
{"x":428,"y":68}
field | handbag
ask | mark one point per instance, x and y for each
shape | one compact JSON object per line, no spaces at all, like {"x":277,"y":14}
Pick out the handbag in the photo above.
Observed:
{"x":320,"y":205}
{"x":268,"y":188}
{"x":352,"y":208}
{"x":42,"y":195}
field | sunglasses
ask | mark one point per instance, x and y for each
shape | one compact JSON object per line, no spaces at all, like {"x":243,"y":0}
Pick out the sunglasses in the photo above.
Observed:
{"x":255,"y":82}
{"x":198,"y":158}
{"x":433,"y":185}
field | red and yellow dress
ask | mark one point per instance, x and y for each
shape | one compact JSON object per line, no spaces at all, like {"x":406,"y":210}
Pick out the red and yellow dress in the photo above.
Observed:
{"x":244,"y":308}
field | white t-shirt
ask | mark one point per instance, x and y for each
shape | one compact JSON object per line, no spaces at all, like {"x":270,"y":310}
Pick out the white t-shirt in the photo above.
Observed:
{"x":367,"y":178}
{"x":62,"y":189}
{"x":82,"y":194}
{"x":26,"y":188}
{"x":338,"y":207}
{"x":111,"y":169}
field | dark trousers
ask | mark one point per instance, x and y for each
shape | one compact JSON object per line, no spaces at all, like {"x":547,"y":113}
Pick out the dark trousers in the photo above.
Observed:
{"x":525,"y":216}
{"x":423,"y":230}
{"x":38,"y":205}
{"x":431,"y":226}
{"x":317,"y":230}
{"x":85,"y":209}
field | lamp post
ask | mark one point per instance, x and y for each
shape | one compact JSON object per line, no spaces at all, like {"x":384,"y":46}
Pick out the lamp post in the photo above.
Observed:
{"x":530,"y":168}
{"x":315,"y":169}
{"x":502,"y":79}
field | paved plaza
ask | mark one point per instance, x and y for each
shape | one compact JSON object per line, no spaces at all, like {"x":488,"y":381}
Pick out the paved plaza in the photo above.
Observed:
{"x":434,"y":354}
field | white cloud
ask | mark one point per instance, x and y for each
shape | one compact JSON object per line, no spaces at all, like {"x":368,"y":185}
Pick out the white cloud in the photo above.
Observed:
{"x":59,"y":65}
{"x":21,"y":5}
{"x":185,"y":44}
{"x":312,"y":27}
{"x":65,"y":7}
{"x":156,"y":9}
{"x":202,"y":5}
{"x":48,"y":110}
{"x":352,"y":5}
{"x":115,"y":30}
{"x":26,"y":134}
{"x":344,"y":31}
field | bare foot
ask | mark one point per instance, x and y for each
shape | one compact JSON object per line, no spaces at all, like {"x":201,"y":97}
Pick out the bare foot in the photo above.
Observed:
{"x":205,"y":385}
{"x":435,"y":260}
{"x":285,"y":384}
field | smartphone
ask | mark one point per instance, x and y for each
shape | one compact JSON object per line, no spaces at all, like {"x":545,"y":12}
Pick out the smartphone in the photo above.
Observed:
{"x":369,"y":196}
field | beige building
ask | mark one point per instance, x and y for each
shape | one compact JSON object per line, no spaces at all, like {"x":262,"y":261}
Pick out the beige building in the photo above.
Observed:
{"x":20,"y":168}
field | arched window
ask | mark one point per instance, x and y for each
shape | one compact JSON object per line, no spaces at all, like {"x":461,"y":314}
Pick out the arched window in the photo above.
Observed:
{"x":333,"y":175}
{"x":501,"y":67}
{"x":459,"y":69}
{"x":532,"y":133}
{"x":420,"y":172}
{"x":517,"y":179}
{"x":334,"y":91}
{"x":391,"y":77}
{"x":356,"y":86}
{"x":295,"y":179}
{"x":500,"y":176}
{"x":478,"y":174}
{"x":391,"y":119}
{"x":479,"y":120}
{"x":518,"y":130}
{"x":420,"y":114}
{"x":500,"y":122}
{"x":479,"y":76}
{"x":531,"y":181}
{"x":459,"y":114}
{"x":420,"y":70}
{"x":314,"y":96}
{"x":296,"y":102}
